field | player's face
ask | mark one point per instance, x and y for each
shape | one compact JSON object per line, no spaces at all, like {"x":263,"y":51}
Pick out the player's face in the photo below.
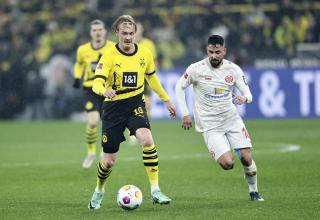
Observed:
{"x":216,"y":54}
{"x":98,"y":32}
{"x":126,"y":34}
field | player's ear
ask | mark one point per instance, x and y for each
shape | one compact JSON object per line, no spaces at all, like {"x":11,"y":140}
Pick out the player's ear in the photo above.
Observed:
{"x":225,"y":51}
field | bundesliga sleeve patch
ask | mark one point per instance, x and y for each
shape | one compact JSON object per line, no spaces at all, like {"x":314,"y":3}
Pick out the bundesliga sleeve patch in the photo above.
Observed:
{"x":99,"y":66}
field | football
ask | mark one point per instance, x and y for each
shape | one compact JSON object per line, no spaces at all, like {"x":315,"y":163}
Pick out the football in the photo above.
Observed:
{"x":129,"y":197}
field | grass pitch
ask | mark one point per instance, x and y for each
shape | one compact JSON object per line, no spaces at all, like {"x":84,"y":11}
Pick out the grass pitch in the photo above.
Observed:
{"x":41,"y":175}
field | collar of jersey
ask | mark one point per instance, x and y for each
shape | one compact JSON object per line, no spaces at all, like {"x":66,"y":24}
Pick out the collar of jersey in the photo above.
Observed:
{"x":128,"y":54}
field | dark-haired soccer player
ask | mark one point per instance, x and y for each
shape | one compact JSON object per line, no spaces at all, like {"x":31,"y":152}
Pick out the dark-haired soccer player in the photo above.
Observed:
{"x":88,"y":56}
{"x":216,"y":116}
{"x":119,"y":77}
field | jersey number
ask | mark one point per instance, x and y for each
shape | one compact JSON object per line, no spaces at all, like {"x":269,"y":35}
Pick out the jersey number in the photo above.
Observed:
{"x":138,"y":111}
{"x":129,"y":79}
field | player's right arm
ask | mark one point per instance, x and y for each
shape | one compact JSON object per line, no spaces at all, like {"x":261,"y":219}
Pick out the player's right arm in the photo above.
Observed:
{"x":78,"y":69}
{"x":100,"y":80}
{"x":183,"y":83}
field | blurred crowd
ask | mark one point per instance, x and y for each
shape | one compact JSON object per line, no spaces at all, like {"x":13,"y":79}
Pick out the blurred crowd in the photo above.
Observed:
{"x":38,"y":40}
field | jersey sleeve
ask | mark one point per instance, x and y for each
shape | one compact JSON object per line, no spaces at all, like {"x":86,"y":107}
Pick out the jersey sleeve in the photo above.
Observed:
{"x":151,"y":68}
{"x":154,"y":81}
{"x":242,"y":85}
{"x":184,"y":81}
{"x":79,"y":65}
{"x":101,"y":75}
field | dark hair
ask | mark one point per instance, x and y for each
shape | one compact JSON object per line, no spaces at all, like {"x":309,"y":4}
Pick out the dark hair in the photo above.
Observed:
{"x":216,"y":39}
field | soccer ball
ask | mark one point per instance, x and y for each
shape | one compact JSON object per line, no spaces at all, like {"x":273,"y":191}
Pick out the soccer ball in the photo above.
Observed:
{"x":129,"y":197}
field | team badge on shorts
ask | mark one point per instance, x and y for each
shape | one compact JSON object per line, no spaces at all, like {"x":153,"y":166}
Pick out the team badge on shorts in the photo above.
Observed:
{"x":89,"y":105}
{"x":104,"y":138}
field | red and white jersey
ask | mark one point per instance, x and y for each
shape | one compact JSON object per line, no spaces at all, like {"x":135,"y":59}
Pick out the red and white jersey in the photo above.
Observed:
{"x":212,"y":90}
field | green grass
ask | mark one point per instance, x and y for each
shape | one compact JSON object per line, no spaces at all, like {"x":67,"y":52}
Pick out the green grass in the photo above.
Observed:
{"x":41,"y":175}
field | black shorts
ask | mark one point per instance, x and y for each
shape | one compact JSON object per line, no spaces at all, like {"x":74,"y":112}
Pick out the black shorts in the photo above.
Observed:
{"x":118,"y":115}
{"x":93,"y":101}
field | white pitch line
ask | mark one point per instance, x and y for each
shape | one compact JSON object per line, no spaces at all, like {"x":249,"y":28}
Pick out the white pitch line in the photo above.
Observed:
{"x":289,"y":148}
{"x":278,"y":147}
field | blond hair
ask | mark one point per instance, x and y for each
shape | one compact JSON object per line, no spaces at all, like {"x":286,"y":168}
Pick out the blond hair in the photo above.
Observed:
{"x":128,"y":19}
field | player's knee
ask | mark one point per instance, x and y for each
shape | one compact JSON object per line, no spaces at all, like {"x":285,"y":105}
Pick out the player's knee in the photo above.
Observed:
{"x":226,"y":161}
{"x":109,"y":162}
{"x":93,"y":119}
{"x":144,"y":136}
{"x":227,"y":165}
{"x":244,"y":156}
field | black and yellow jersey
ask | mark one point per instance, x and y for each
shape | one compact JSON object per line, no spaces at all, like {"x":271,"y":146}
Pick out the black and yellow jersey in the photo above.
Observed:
{"x":87,"y":60}
{"x":125,"y":73}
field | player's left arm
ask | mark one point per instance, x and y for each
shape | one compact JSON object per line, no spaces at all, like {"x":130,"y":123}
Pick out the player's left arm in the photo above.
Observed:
{"x":242,"y":85}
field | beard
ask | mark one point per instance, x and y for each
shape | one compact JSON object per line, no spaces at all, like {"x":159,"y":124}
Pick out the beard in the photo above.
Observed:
{"x":215,"y":63}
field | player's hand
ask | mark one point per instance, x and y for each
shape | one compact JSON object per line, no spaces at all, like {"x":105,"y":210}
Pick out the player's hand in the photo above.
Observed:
{"x":186,"y":122}
{"x":76,"y":83}
{"x":239,"y":99}
{"x":171,"y":108}
{"x":110,"y":93}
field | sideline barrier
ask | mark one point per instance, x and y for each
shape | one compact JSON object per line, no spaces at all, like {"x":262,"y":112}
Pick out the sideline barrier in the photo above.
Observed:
{"x":277,"y":93}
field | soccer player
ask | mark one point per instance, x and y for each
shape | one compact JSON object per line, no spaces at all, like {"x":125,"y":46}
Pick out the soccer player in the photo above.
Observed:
{"x":215,"y":114}
{"x":88,"y":56}
{"x":119,"y":77}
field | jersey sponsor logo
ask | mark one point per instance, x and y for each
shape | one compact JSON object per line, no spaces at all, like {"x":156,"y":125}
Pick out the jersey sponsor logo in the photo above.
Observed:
{"x":129,"y":79}
{"x":99,"y":66}
{"x":185,"y":75}
{"x":206,"y":77}
{"x":217,"y":93}
{"x":228,"y":79}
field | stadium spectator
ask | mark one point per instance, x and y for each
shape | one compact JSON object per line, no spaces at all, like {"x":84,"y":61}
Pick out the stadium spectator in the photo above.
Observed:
{"x":39,"y":30}
{"x":88,"y":56}
{"x":216,"y":116}
{"x":120,"y":76}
